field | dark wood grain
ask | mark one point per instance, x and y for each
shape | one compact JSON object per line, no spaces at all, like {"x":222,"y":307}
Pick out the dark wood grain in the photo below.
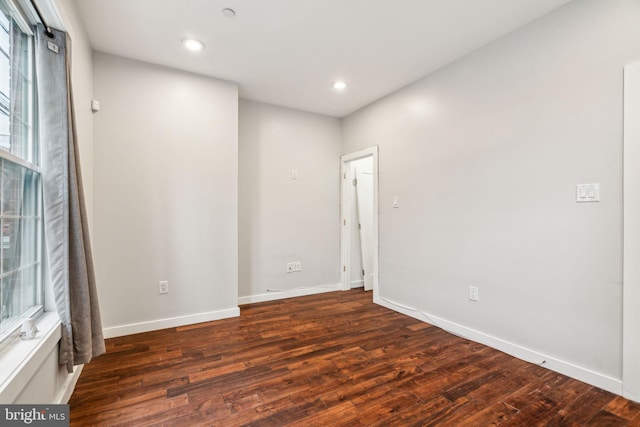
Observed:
{"x":334,"y":359}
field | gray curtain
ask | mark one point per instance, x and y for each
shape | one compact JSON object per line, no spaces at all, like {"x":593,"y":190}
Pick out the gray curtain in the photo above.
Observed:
{"x":68,"y":250}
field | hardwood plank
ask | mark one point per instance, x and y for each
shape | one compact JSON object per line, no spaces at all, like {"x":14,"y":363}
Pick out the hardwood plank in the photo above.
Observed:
{"x":419,"y":414}
{"x":387,"y":409}
{"x":623,"y":408}
{"x":581,"y":410}
{"x":332,"y":359}
{"x":607,"y":419}
{"x":494,"y":415}
{"x":291,"y":414}
{"x":343,"y":414}
{"x":539,"y":412}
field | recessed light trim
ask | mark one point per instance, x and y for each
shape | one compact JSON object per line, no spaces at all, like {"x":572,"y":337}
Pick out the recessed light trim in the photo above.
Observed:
{"x":228,"y":12}
{"x":339,"y":85}
{"x":193,"y":45}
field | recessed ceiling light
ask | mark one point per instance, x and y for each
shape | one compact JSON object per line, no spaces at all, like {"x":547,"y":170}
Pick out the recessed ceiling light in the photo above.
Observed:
{"x":193,"y":44}
{"x":340,"y":85}
{"x":229,"y":13}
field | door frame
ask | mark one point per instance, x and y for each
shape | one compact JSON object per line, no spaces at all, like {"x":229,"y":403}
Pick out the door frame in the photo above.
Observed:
{"x":346,"y":214}
{"x":631,"y":235}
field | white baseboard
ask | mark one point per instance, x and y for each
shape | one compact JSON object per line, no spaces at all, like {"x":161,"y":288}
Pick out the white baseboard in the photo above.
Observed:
{"x":66,"y":389}
{"x":566,"y":368}
{"x":357,"y":284}
{"x":171,"y":322}
{"x":282,"y":294}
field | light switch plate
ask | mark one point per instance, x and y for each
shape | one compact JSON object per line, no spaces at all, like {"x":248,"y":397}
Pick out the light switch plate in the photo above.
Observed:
{"x":163,"y":287}
{"x":473,"y":293}
{"x":587,"y":193}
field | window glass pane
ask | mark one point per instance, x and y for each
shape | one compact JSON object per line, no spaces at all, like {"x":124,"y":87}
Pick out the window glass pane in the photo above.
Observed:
{"x":12,"y":188}
{"x":20,"y":95}
{"x":15,"y":88}
{"x":5,"y":125}
{"x":28,"y":235}
{"x":11,"y":240}
{"x":4,"y":34}
{"x":4,"y":21}
{"x":11,"y":308}
{"x":5,"y":120}
{"x":5,"y":76}
{"x":30,"y":197}
{"x":29,"y":297}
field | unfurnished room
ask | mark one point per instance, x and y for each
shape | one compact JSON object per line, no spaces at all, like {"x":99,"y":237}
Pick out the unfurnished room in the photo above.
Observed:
{"x":320,"y":212}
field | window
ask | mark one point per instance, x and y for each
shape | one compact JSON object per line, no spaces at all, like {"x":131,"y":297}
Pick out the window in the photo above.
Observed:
{"x":20,"y":182}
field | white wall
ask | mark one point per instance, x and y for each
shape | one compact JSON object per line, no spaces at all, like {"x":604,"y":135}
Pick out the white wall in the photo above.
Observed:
{"x":165,"y":181}
{"x":485,"y":155}
{"x":281,"y":219}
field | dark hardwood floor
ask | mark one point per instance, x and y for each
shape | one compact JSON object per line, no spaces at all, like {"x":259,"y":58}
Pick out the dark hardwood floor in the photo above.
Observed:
{"x":329,"y":359}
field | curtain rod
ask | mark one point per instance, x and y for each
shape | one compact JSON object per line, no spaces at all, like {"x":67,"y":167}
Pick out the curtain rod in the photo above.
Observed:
{"x":47,"y":29}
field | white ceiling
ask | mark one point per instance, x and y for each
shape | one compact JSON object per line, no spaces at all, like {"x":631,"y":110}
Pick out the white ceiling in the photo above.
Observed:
{"x":289,"y":52}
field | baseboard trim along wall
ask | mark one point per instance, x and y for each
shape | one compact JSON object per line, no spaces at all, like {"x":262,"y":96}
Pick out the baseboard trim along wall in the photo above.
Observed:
{"x":171,"y":322}
{"x":357,"y":284}
{"x":66,"y":389}
{"x":276,"y":294}
{"x":590,"y":377}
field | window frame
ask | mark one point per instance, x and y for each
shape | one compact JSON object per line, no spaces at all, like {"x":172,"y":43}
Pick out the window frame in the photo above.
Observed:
{"x":32,"y":153}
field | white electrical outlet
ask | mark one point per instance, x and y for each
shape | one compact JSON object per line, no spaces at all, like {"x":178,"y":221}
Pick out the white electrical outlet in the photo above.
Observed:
{"x":163,"y":287}
{"x":473,"y":293}
{"x":293,"y":267}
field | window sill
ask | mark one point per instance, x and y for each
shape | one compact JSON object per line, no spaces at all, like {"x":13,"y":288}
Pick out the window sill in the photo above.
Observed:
{"x":20,"y":359}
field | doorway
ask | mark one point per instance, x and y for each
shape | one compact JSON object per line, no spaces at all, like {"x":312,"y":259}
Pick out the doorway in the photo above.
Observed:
{"x":359,"y":235}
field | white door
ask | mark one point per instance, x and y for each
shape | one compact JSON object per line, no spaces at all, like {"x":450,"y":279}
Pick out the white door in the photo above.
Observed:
{"x":352,"y":240}
{"x":364,"y":198}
